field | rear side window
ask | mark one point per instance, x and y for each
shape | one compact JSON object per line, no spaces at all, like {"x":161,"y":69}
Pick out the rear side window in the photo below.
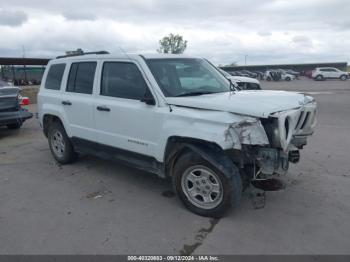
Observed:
{"x":81,"y":77}
{"x":122,"y":79}
{"x":54,"y":76}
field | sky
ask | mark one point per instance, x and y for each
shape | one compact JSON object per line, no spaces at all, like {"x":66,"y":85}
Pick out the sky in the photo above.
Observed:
{"x":225,"y":31}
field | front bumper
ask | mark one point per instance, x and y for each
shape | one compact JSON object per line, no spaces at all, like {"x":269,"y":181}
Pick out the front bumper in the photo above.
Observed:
{"x":14,"y":117}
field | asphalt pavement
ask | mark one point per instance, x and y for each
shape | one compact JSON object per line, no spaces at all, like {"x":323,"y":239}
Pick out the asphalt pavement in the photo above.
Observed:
{"x":96,"y":206}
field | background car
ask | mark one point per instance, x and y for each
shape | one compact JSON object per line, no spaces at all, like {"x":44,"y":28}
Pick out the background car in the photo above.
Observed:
{"x":292,"y":72}
{"x":12,"y":114}
{"x":277,"y":75}
{"x":243,"y":82}
{"x":323,"y":73}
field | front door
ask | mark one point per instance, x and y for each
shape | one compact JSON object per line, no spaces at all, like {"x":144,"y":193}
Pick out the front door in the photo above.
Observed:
{"x":122,"y":120}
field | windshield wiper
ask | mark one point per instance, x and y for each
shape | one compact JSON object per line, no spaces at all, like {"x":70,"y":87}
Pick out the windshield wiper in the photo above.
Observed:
{"x":196,"y":93}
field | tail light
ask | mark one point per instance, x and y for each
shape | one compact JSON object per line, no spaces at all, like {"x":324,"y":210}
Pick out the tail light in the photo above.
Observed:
{"x":25,"y":101}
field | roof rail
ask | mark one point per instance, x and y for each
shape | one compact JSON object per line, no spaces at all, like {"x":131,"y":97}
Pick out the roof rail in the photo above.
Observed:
{"x":84,"y":53}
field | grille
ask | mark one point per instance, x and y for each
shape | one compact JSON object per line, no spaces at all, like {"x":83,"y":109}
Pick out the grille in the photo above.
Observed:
{"x":305,"y":120}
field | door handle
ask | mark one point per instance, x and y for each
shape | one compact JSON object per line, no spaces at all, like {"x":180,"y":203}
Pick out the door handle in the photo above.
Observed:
{"x":66,"y":103}
{"x":103,"y":108}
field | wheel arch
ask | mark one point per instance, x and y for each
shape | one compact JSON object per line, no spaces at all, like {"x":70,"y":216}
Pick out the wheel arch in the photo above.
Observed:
{"x":48,"y":119}
{"x":210,"y":151}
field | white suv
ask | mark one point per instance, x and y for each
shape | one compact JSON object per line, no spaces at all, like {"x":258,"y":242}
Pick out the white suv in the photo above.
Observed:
{"x":176,"y":116}
{"x":322,"y":73}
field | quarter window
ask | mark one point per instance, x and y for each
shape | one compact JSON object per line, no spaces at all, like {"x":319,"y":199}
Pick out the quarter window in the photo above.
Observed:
{"x":81,"y":77}
{"x":54,"y":76}
{"x":122,"y":79}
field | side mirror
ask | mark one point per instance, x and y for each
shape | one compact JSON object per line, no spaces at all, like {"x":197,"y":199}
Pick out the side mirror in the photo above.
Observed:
{"x":148,"y":99}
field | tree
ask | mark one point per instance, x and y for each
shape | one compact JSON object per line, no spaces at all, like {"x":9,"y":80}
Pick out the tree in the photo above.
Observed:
{"x":173,"y":44}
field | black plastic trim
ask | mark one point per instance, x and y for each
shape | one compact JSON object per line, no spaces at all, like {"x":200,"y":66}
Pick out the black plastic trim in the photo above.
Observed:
{"x":136,"y":160}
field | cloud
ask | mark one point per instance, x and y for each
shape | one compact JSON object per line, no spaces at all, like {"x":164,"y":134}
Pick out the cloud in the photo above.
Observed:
{"x":79,"y":16}
{"x":316,"y":29}
{"x":301,"y":39}
{"x":12,"y":17}
{"x":264,"y":33}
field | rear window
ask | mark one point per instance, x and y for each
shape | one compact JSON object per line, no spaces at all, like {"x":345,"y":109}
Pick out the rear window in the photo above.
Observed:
{"x":54,"y":76}
{"x":81,"y":77}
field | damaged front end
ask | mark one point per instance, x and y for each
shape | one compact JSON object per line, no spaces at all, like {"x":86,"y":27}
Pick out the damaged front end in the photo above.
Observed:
{"x":267,"y":145}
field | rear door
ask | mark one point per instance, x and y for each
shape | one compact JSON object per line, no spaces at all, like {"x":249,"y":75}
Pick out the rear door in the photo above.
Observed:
{"x":328,"y":73}
{"x":77,"y":99}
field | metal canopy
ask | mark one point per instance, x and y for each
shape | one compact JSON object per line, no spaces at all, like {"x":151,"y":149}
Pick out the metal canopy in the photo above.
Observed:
{"x":23,"y":61}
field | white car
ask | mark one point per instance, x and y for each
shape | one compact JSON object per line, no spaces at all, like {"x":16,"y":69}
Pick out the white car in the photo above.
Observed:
{"x":322,"y":73}
{"x":277,"y":75}
{"x":243,"y":82}
{"x":176,"y":116}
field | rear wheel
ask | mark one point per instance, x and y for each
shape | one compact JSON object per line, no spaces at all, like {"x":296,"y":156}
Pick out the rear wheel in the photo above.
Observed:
{"x":319,"y":77}
{"x":14,"y":126}
{"x":288,"y":78}
{"x":60,"y":145}
{"x":203,"y":188}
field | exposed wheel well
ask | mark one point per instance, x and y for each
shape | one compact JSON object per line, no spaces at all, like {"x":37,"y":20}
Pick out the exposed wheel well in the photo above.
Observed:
{"x":47,"y":120}
{"x":177,"y":145}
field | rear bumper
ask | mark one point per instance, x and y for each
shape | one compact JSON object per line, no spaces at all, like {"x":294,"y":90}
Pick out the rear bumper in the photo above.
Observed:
{"x":14,"y":117}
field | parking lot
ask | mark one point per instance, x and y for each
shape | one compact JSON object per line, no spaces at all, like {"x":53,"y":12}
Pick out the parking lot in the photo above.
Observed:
{"x":99,"y":207}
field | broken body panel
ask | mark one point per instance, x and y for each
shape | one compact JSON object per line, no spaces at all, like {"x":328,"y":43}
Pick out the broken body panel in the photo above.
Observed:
{"x":271,"y":123}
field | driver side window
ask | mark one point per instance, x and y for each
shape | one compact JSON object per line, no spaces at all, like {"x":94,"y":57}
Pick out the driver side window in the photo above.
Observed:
{"x":123,"y":80}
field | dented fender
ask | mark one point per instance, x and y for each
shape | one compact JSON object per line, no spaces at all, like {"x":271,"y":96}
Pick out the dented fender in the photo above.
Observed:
{"x":227,"y":130}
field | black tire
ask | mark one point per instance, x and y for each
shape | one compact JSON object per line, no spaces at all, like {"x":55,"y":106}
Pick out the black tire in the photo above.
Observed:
{"x":319,"y":78}
{"x":268,"y":78}
{"x":231,"y":185}
{"x":288,"y":78}
{"x":68,"y":154}
{"x":343,"y":77}
{"x":14,"y":126}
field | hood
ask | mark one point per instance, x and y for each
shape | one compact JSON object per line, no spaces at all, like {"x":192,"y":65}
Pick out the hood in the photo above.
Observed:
{"x":256,"y":103}
{"x":244,"y":79}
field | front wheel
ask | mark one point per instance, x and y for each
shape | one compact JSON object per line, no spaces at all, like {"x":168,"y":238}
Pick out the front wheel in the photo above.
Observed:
{"x":288,"y":78}
{"x":343,"y":77}
{"x":203,"y":188}
{"x":60,"y":145}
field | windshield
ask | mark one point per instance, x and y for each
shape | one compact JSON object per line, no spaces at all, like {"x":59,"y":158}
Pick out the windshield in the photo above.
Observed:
{"x":187,"y":76}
